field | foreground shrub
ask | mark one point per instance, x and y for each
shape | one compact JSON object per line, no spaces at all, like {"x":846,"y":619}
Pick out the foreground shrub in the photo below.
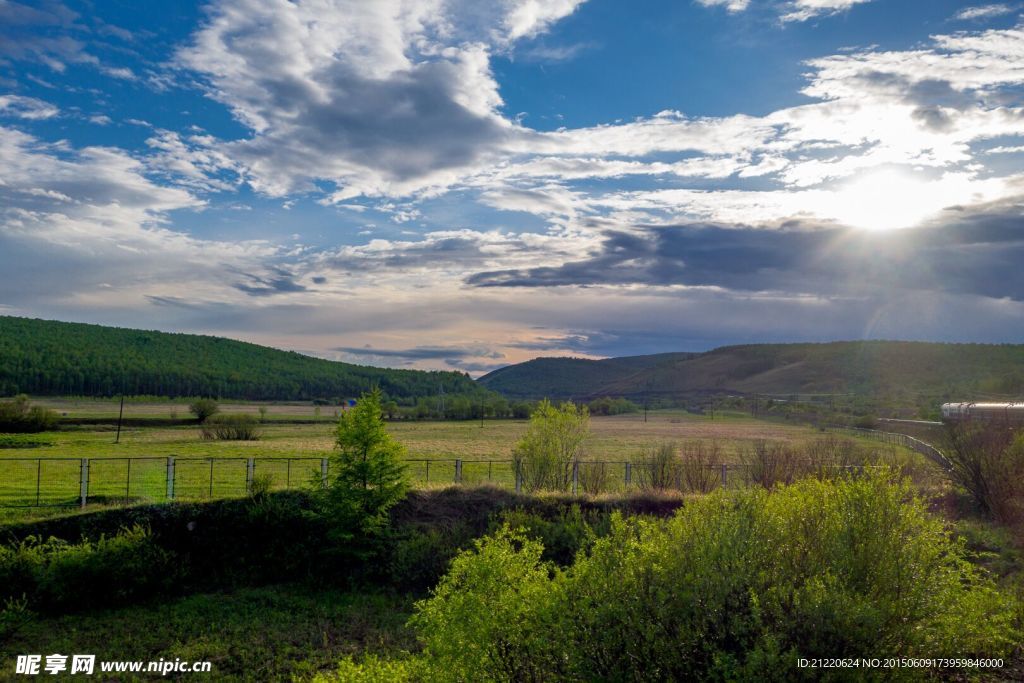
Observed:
{"x":235,"y":427}
{"x":737,"y":586}
{"x":18,"y":415}
{"x":55,"y":575}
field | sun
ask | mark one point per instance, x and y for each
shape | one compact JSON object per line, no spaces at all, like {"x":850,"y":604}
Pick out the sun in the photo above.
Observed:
{"x":888,"y":200}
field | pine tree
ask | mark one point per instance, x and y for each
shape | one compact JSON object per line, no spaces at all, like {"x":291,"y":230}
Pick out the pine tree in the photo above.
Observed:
{"x":368,"y":475}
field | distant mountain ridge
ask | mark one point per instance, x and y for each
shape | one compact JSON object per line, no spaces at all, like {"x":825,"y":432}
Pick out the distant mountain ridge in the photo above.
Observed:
{"x":875,"y":368}
{"x":52,"y":358}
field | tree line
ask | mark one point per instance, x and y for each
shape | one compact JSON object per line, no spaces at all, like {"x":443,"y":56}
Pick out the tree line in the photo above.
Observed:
{"x":49,"y":358}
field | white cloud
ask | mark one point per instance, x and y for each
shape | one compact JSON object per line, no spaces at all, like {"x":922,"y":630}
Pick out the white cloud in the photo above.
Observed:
{"x":983,"y":12}
{"x":30,"y":108}
{"x":730,"y":5}
{"x":72,"y":219}
{"x":120,"y":72}
{"x":802,"y":10}
{"x":789,"y":10}
{"x":367,"y":96}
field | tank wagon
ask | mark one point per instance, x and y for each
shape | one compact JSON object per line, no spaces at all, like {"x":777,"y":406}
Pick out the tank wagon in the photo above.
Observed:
{"x":1009,"y":413}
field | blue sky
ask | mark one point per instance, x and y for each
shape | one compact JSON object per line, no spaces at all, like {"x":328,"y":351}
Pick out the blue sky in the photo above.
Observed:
{"x":458,"y":185}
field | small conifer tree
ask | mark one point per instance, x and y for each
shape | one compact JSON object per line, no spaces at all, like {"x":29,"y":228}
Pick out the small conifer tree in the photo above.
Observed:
{"x":368,"y":477}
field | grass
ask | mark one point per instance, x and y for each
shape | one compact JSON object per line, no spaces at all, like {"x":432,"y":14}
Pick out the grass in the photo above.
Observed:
{"x":432,"y":448}
{"x":165,"y":409}
{"x":259,"y":634}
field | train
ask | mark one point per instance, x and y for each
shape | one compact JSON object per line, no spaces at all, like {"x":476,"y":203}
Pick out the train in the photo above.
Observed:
{"x":1008,"y":413}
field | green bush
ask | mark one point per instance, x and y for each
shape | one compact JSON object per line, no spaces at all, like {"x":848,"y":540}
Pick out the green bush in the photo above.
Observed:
{"x":553,"y":441}
{"x":737,"y":586}
{"x":19,"y":416}
{"x":235,"y":427}
{"x":563,"y":536}
{"x":203,"y":408}
{"x":59,"y":576}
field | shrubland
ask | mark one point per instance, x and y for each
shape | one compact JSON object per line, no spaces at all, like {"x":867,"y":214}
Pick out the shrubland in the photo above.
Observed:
{"x":737,"y":585}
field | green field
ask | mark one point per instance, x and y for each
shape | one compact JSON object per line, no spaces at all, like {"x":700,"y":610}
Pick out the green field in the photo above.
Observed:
{"x":288,"y":455}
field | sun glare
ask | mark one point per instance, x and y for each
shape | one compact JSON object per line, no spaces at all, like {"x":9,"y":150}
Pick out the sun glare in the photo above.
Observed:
{"x":888,"y":200}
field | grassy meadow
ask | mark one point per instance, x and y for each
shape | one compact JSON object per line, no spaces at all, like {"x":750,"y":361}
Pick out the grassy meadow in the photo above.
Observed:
{"x":288,"y":452}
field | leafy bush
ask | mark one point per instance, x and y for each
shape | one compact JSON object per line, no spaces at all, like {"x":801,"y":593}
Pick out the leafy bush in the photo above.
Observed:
{"x":203,"y":408}
{"x":737,"y":586}
{"x":58,"y":576}
{"x":563,"y":536}
{"x":553,"y":441}
{"x":18,"y":415}
{"x":612,"y":406}
{"x":235,"y":427}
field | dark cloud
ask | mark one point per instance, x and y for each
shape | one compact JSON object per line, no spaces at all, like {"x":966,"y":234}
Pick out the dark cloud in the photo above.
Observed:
{"x":280,"y":281}
{"x":432,"y":251}
{"x":976,"y":254}
{"x":447,"y":353}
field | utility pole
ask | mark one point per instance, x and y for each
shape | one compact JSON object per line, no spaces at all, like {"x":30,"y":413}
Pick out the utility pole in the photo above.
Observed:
{"x":120,"y":415}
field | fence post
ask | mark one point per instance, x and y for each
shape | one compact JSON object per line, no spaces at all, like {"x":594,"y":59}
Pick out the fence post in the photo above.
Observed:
{"x":84,"y":485}
{"x":458,"y":471}
{"x":629,"y":474}
{"x":519,"y":477}
{"x":250,"y":472}
{"x":575,"y":476}
{"x":170,"y":478}
{"x":323,"y":472}
{"x":725,"y":474}
{"x":39,"y":478}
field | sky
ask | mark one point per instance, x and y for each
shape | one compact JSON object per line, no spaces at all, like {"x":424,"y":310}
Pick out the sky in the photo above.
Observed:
{"x":450,"y":184}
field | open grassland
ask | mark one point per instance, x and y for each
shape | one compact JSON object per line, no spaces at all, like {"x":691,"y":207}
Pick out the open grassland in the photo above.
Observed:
{"x":614,"y":438}
{"x":47,"y":471}
{"x":163,"y":409}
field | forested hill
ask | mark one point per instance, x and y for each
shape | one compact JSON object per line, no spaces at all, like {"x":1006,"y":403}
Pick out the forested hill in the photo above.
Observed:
{"x":867,"y":368}
{"x":49,"y":358}
{"x":565,"y":378}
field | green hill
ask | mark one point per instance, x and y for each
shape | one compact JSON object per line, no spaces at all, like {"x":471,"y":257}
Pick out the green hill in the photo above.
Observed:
{"x":49,"y":358}
{"x":891,"y":369}
{"x":564,"y":378}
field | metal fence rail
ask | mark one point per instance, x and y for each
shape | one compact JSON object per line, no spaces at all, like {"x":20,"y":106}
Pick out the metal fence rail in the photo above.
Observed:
{"x":922,"y":447}
{"x":71,"y":482}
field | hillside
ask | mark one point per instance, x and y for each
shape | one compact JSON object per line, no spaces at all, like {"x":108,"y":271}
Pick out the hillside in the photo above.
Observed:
{"x":571,"y":377}
{"x":49,"y":358}
{"x":871,"y":368}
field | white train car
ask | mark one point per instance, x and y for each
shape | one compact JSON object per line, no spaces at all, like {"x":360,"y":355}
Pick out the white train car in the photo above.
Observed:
{"x":1008,"y":413}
